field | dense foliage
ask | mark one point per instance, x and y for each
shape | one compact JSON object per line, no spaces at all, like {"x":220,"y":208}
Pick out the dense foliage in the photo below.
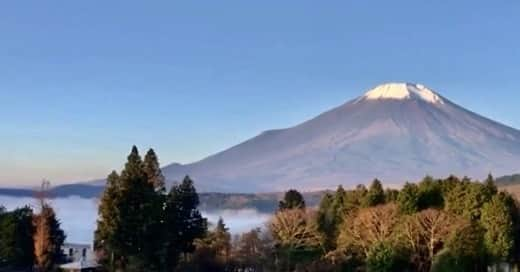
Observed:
{"x":30,"y":240}
{"x":446,"y":224}
{"x":140,"y":227}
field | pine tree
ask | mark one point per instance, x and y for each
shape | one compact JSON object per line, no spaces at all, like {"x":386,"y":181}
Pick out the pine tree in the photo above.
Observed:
{"x":136,"y":209}
{"x":48,"y":238}
{"x":182,"y":220}
{"x":153,"y":171}
{"x":497,"y":222}
{"x":109,"y":223}
{"x":292,"y":200}
{"x":375,"y":195}
{"x":222,"y":240}
{"x":327,"y":220}
{"x":490,"y":186}
{"x":430,"y":194}
{"x":408,"y":199}
{"x":155,"y":233}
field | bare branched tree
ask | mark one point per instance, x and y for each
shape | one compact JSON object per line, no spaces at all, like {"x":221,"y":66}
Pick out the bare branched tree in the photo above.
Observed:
{"x":368,"y":227}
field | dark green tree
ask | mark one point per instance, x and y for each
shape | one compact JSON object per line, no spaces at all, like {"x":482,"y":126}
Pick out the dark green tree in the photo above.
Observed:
{"x":183,"y":221}
{"x":490,"y":186}
{"x":497,"y":223}
{"x":466,"y":198}
{"x":430,"y":194}
{"x":391,"y":195}
{"x":156,"y":230}
{"x":385,"y":257}
{"x":376,"y":194}
{"x":327,"y":221}
{"x":16,"y":239}
{"x":464,"y":250}
{"x":136,"y":209}
{"x":408,"y":199}
{"x":292,"y":200}
{"x":153,"y":171}
{"x":106,"y":237}
{"x":358,"y":197}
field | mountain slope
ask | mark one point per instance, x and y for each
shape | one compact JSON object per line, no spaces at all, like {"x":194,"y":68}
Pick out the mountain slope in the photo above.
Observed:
{"x":395,"y":132}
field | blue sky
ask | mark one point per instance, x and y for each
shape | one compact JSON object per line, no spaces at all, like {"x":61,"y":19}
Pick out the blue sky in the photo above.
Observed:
{"x":82,"y":81}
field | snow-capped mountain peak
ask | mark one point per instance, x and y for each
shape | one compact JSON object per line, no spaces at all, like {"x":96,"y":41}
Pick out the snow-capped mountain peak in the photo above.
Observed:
{"x":401,"y":91}
{"x":395,"y":132}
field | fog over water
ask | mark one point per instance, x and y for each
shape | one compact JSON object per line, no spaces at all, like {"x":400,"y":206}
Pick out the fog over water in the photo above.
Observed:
{"x":78,"y":216}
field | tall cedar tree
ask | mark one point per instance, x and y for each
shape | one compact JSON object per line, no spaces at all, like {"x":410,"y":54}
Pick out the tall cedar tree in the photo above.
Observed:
{"x":109,"y":223}
{"x":376,"y":194}
{"x":212,"y":253}
{"x":497,"y":222}
{"x":490,"y":185}
{"x":139,"y":227}
{"x":48,"y":238}
{"x":326,"y":219}
{"x":430,"y":194}
{"x":154,"y":248}
{"x":183,"y":221}
{"x":153,"y":171}
{"x":408,"y":199}
{"x":222,"y":240}
{"x":137,"y":209}
{"x":292,"y":200}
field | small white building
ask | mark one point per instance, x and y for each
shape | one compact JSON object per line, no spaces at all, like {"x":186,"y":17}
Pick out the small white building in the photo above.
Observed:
{"x":80,"y":257}
{"x":78,"y":252}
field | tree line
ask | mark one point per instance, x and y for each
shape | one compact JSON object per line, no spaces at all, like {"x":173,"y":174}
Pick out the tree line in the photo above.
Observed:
{"x":446,"y":224}
{"x":449,"y":224}
{"x":29,"y":240}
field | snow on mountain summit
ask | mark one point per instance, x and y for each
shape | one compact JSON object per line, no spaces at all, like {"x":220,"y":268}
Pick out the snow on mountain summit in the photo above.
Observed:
{"x":394,"y":132}
{"x":400,"y":91}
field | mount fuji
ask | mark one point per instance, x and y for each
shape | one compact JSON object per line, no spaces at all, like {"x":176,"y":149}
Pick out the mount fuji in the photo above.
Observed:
{"x":396,"y":132}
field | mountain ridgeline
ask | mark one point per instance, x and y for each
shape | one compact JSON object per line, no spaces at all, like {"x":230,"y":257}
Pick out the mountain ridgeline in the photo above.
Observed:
{"x":395,"y":132}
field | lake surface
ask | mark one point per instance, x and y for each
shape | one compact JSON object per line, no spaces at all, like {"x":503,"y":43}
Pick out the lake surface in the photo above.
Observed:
{"x":78,"y":216}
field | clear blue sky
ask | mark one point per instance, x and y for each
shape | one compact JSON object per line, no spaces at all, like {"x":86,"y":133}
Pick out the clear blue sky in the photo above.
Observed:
{"x":82,"y":81}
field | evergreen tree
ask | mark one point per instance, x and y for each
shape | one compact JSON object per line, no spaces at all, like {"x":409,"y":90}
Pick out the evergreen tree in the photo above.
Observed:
{"x":384,"y":257}
{"x":467,"y":198}
{"x":106,"y":237}
{"x":340,"y":202}
{"x":327,"y":223}
{"x":222,"y":239}
{"x":430,"y":194}
{"x":408,"y":198}
{"x":182,"y":220}
{"x":391,"y":195}
{"x":498,"y":225}
{"x":376,"y":194}
{"x":153,"y":171}
{"x":16,"y":239}
{"x":514,"y":211}
{"x":136,"y":207}
{"x":359,"y":196}
{"x":292,"y":200}
{"x":156,"y":232}
{"x":48,"y":238}
{"x":490,"y":187}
